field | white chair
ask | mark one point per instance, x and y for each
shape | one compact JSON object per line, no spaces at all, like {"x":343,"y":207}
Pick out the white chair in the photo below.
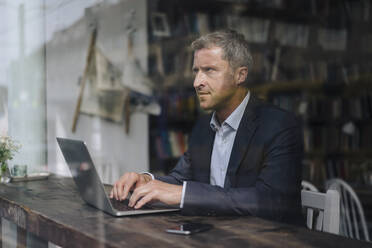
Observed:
{"x":308,"y":186}
{"x":328,"y":207}
{"x":310,"y":212}
{"x":352,"y":219}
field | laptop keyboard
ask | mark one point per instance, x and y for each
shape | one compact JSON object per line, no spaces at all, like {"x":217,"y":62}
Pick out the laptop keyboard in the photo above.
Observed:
{"x":123,"y":205}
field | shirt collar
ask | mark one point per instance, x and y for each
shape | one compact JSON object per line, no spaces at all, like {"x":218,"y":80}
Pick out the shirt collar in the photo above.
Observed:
{"x":234,"y":118}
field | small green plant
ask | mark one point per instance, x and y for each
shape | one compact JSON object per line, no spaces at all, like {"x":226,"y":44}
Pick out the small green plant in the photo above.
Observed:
{"x":8,"y":148}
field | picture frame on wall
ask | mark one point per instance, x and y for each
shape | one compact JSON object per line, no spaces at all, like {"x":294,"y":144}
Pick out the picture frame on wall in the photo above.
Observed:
{"x":160,"y":25}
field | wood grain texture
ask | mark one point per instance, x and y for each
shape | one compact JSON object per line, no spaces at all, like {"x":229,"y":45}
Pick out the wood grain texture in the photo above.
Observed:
{"x":21,"y":237}
{"x":53,"y":210}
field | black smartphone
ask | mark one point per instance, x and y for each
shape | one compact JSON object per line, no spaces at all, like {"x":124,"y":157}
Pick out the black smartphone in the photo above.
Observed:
{"x":189,"y":228}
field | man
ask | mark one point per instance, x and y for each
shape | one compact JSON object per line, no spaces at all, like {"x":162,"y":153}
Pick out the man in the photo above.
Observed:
{"x":243,"y":159}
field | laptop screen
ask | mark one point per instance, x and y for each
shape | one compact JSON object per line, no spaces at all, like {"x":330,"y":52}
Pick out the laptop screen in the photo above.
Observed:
{"x":84,"y":173}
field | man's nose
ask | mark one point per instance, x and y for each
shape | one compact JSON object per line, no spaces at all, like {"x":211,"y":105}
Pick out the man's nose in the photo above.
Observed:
{"x":198,"y":80}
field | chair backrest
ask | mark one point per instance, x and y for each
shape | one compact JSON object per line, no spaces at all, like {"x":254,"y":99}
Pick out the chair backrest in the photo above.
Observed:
{"x":308,"y":186}
{"x":352,"y":219}
{"x":327,"y":206}
{"x":309,"y":211}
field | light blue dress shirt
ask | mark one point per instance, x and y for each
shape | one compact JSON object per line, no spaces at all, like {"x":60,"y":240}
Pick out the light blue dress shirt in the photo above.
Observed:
{"x":223,"y":142}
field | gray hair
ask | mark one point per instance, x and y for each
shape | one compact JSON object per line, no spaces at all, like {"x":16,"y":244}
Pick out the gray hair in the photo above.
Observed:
{"x":234,"y":46}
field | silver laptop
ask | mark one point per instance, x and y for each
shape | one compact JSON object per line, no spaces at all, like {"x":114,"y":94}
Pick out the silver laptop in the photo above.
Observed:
{"x":90,"y":186}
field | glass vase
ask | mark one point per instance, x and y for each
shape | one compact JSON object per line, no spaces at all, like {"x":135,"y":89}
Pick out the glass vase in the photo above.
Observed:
{"x":5,"y":176}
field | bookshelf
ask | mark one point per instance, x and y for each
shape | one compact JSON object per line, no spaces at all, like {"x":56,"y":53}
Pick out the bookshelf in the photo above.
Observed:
{"x":337,"y":126}
{"x":169,"y":131}
{"x":311,"y":57}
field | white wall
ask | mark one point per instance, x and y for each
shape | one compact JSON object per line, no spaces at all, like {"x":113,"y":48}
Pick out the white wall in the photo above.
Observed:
{"x":113,"y":151}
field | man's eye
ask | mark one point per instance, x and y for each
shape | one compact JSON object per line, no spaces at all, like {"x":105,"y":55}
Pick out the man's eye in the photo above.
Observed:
{"x":209,"y":69}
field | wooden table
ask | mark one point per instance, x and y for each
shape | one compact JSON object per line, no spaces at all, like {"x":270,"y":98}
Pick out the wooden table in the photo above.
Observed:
{"x":53,"y":211}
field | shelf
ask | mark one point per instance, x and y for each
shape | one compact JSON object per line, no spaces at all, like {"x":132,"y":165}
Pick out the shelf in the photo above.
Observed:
{"x":288,"y":87}
{"x":316,"y":87}
{"x":171,"y":42}
{"x":177,"y":43}
{"x":241,"y":7}
{"x":352,"y":155}
{"x":336,"y":122}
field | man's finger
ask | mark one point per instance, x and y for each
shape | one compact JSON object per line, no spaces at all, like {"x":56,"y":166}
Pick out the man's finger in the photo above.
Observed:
{"x":119,"y":187}
{"x":147,"y":198}
{"x":124,"y":193}
{"x":123,"y":181}
{"x":137,"y":194}
{"x":114,"y":191}
{"x":124,"y":190}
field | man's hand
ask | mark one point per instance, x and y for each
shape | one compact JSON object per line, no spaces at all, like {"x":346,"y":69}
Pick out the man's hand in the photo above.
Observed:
{"x":127,"y":182}
{"x":156,"y":191}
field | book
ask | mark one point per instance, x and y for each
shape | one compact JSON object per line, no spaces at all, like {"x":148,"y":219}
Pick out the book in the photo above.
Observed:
{"x":367,"y":43}
{"x":332,"y":39}
{"x":160,"y":152}
{"x":277,"y":4}
{"x":367,"y":10}
{"x":166,"y":143}
{"x":275,"y":67}
{"x":202,"y":21}
{"x":292,"y":34}
{"x":187,"y":72}
{"x":174,"y":144}
{"x":159,"y":60}
{"x":254,"y":29}
{"x":181,"y":142}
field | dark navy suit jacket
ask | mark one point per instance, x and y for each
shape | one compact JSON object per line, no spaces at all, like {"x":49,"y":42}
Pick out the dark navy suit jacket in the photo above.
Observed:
{"x":264,"y":173}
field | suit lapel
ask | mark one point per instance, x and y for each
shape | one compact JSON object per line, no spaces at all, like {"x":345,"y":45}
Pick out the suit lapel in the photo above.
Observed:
{"x":203,"y":153}
{"x":243,"y":137}
{"x":209,"y":145}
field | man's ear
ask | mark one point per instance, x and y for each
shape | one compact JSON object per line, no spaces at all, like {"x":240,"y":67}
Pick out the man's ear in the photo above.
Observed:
{"x":241,"y":74}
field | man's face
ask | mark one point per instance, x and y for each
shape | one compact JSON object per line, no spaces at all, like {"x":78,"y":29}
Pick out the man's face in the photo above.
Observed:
{"x":214,"y":80}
